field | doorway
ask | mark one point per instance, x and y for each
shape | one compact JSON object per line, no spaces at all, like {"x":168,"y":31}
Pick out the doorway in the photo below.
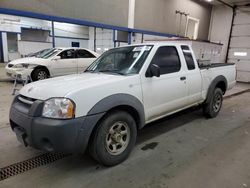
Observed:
{"x":12,"y":46}
{"x":192,"y":28}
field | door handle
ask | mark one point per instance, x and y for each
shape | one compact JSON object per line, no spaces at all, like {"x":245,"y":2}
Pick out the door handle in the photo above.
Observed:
{"x":183,"y":78}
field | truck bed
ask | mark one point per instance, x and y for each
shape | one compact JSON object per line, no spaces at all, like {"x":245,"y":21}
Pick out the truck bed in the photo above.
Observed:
{"x":211,"y":71}
{"x":213,"y":65}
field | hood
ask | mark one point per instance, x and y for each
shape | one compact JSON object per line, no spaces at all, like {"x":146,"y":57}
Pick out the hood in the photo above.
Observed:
{"x":64,"y":85}
{"x":28,"y":60}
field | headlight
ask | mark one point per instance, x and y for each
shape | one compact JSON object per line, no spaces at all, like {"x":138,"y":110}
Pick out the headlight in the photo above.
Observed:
{"x":18,"y":66}
{"x":23,"y":65}
{"x":59,"y":108}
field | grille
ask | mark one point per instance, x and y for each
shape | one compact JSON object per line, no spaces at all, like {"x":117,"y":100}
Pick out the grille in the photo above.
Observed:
{"x":25,"y":100}
{"x":29,"y":164}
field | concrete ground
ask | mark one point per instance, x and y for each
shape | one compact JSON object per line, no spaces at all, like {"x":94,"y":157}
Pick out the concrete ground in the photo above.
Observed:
{"x":184,"y":150}
{"x":3,"y":76}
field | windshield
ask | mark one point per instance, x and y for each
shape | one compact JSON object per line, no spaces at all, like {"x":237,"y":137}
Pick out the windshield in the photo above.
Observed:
{"x":124,"y":60}
{"x":49,"y":53}
{"x":41,"y":52}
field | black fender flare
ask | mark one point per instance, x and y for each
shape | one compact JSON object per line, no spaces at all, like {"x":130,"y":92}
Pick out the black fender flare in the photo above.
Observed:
{"x":212,"y":86}
{"x":120,"y":100}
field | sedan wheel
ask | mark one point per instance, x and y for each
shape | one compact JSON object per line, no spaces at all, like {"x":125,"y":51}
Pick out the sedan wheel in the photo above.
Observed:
{"x":42,"y":75}
{"x":39,"y":74}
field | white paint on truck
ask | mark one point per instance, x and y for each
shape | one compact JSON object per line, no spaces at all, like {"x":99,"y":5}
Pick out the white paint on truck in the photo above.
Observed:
{"x":160,"y":96}
{"x":124,"y":89}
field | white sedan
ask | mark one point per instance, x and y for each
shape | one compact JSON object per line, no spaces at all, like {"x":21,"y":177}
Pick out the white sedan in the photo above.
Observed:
{"x":51,"y":63}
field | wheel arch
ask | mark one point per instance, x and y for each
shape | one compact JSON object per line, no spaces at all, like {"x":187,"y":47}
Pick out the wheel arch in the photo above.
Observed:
{"x":40,"y":67}
{"x":218,"y":82}
{"x":124,"y":102}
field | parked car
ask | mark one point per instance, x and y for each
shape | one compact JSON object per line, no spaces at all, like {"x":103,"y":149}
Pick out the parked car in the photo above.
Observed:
{"x":123,"y":90}
{"x":51,"y":63}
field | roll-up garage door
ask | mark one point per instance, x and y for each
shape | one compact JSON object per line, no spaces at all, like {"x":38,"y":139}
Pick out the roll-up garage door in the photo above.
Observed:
{"x":239,"y":52}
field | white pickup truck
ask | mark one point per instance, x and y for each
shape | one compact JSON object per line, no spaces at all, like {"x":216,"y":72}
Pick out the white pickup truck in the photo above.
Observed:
{"x":124,"y":89}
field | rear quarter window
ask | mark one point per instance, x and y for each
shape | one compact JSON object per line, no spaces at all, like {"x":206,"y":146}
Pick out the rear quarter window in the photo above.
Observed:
{"x":188,"y":57}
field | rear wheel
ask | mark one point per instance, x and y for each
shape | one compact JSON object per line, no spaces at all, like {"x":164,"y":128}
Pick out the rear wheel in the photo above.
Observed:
{"x":213,"y":106}
{"x":114,"y":138}
{"x":40,"y":74}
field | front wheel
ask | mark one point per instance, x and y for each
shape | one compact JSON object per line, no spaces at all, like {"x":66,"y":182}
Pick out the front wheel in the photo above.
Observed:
{"x":39,"y":74}
{"x":114,"y":138}
{"x":213,"y":106}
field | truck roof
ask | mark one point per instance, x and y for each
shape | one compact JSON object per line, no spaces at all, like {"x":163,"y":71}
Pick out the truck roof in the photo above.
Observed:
{"x":159,"y":43}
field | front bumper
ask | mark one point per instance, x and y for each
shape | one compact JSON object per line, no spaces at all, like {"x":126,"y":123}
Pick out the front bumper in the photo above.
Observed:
{"x":70,"y":136}
{"x":22,"y":72}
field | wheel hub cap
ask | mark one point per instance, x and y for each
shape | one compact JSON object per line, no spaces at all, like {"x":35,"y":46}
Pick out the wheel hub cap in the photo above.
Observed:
{"x":217,"y":103}
{"x":117,"y":138}
{"x":42,"y":75}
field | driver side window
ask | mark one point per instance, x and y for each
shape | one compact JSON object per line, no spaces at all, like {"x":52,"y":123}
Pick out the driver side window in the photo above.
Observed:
{"x":67,"y":54}
{"x":167,"y":58}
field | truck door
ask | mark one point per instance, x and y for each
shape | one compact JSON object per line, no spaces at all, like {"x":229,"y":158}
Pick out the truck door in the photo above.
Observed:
{"x":194,"y":80}
{"x":167,"y":93}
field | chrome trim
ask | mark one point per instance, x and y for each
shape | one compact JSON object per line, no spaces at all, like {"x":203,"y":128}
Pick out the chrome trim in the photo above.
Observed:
{"x":25,"y":100}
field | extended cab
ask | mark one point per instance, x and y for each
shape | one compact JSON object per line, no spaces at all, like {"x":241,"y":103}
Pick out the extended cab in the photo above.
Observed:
{"x":124,"y":89}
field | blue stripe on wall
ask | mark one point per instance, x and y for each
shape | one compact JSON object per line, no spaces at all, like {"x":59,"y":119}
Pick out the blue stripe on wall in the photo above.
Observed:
{"x":78,"y":22}
{"x":76,"y":38}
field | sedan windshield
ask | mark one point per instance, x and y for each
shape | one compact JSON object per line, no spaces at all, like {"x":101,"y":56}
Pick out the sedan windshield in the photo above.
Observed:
{"x":123,"y":60}
{"x":49,"y":53}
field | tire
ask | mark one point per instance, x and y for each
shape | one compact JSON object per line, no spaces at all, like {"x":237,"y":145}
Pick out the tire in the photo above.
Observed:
{"x":114,"y":138}
{"x":40,"y":74}
{"x":213,"y":106}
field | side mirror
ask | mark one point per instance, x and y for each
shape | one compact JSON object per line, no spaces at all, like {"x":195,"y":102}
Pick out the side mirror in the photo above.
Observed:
{"x":57,"y":58}
{"x":153,"y":70}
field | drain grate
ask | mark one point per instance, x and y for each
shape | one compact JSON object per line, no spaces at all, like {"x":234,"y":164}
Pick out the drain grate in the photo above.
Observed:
{"x":29,"y":164}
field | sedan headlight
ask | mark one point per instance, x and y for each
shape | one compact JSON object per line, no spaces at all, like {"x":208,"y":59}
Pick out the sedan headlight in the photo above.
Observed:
{"x":23,"y":65}
{"x":59,"y":108}
{"x":18,"y":66}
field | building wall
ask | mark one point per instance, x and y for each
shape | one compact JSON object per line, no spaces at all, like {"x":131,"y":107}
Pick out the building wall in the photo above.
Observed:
{"x":220,"y":27}
{"x":104,"y":40}
{"x":71,"y":30}
{"x":239,"y":52}
{"x":156,"y":15}
{"x":65,"y":35}
{"x":102,"y":11}
{"x":5,"y":46}
{"x":14,"y":23}
{"x":160,"y":16}
{"x":67,"y":42}
{"x":151,"y":15}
